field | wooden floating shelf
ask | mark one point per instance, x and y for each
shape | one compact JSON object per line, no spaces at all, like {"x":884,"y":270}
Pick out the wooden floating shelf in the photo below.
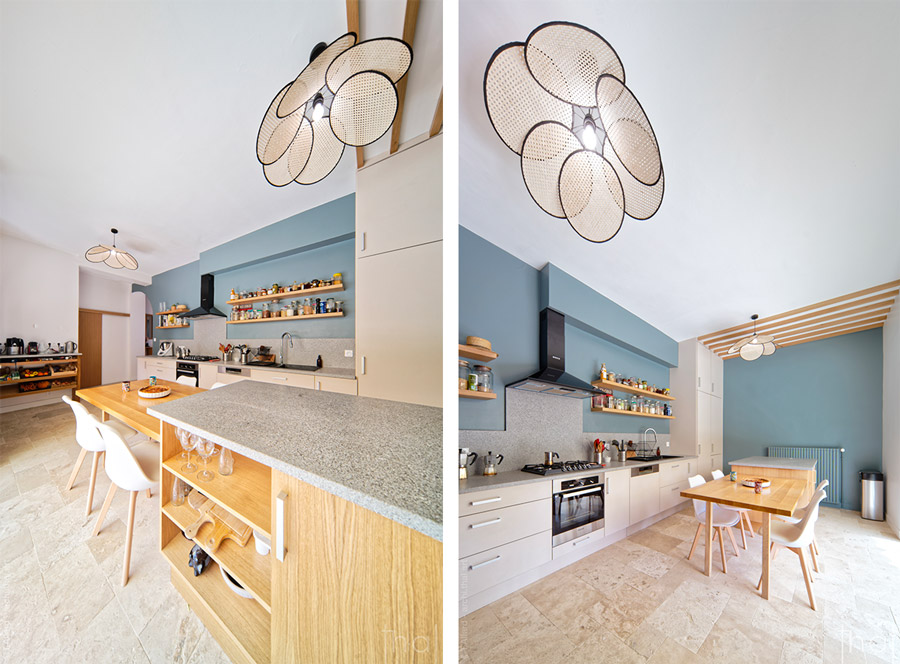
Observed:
{"x":477,"y":353}
{"x":282,"y":319}
{"x":9,"y":395}
{"x":22,"y":363}
{"x":172,"y":311}
{"x":618,"y":387}
{"x":472,"y":394}
{"x":281,"y":296}
{"x":248,"y":568}
{"x":170,"y":327}
{"x":615,"y":411}
{"x":67,"y":374}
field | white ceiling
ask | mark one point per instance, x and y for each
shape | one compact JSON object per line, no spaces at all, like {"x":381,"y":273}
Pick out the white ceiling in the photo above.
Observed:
{"x":779,"y":127}
{"x":144,"y":116}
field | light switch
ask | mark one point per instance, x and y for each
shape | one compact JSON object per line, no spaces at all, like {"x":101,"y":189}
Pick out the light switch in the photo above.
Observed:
{"x":348,"y":353}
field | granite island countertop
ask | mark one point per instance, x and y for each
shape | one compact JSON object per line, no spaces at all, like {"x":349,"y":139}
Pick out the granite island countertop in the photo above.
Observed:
{"x":385,"y":456}
{"x":785,"y":463}
{"x":329,"y":372}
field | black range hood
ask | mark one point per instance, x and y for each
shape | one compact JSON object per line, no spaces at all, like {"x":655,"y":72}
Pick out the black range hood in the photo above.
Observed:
{"x":552,"y":377}
{"x":206,"y":308}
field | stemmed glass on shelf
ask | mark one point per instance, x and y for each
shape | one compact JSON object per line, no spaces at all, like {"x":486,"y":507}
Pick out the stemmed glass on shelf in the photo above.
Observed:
{"x":187,"y":444}
{"x":205,"y":449}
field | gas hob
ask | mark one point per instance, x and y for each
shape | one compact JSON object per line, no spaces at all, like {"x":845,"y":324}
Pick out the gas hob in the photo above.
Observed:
{"x":563,"y":467}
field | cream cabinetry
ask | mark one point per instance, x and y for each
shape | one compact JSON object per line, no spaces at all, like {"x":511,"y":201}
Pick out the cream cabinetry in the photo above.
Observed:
{"x":332,"y":384}
{"x":643,"y":497}
{"x":207,"y":375}
{"x":162,"y":368}
{"x":616,"y":509}
{"x":283,"y":378}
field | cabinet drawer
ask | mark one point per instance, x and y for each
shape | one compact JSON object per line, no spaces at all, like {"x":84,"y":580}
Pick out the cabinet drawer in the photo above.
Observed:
{"x":670,"y":496}
{"x":643,"y":497}
{"x":577,"y":544}
{"x":488,"y":568}
{"x":492,"y":499}
{"x":340,"y":385}
{"x":282,"y":378}
{"x":669,"y":473}
{"x":479,"y":532}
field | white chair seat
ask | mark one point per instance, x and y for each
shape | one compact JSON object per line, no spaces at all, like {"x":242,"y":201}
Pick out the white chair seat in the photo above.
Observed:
{"x":722,"y":516}
{"x":147,"y":456}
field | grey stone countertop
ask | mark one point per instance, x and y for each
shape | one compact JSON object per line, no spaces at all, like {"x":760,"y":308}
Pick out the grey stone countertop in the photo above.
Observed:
{"x":786,"y":463}
{"x":385,"y":456}
{"x":329,"y":372}
{"x":516,"y":477}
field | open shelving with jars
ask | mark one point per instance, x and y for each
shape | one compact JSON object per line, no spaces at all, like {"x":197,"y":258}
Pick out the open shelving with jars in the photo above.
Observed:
{"x":617,"y":411}
{"x":619,"y":387}
{"x":273,"y":319}
{"x":481,"y":354}
{"x":59,"y":374}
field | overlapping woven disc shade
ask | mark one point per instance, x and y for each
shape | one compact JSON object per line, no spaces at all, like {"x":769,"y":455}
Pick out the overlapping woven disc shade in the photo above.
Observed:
{"x":754,"y":346}
{"x":588,"y":152}
{"x":346,"y":95}
{"x":111,"y":255}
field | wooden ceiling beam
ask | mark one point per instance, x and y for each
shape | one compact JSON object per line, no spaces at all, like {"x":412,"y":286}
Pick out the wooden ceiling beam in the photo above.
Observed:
{"x":821,"y":336}
{"x":409,"y":31}
{"x":438,"y":120}
{"x":353,"y":26}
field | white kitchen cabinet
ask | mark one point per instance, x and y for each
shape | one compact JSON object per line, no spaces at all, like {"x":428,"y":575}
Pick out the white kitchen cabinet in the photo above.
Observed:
{"x":483,"y":570}
{"x":704,"y":433}
{"x":670,"y":495}
{"x":704,"y":368}
{"x":224,"y":377}
{"x":163,"y":369}
{"x":616,"y":510}
{"x":717,"y":375}
{"x":475,"y":502}
{"x":282,"y":378}
{"x":479,"y":532}
{"x":207,"y":375}
{"x":643,"y":497}
{"x":716,"y":426}
{"x":339,"y":385}
{"x":716,"y":463}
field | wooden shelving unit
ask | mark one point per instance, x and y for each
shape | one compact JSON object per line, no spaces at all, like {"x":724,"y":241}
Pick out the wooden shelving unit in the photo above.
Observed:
{"x":630,"y":412}
{"x":66,"y":374}
{"x":172,"y":311}
{"x":287,"y":295}
{"x":10,"y":388}
{"x":170,"y":327}
{"x":276,"y":319}
{"x":618,"y":387}
{"x":477,"y":353}
{"x":473,"y":394}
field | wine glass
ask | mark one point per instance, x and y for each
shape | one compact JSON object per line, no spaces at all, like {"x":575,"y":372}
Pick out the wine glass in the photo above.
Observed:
{"x":205,"y":449}
{"x":188,"y":442}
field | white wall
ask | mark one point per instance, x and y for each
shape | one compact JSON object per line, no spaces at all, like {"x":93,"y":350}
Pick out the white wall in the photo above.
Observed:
{"x":890,"y":452}
{"x":97,"y":291}
{"x":38,"y":293}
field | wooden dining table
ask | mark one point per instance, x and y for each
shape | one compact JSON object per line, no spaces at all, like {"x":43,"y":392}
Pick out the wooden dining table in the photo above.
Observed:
{"x":130,"y":408}
{"x":780,"y":499}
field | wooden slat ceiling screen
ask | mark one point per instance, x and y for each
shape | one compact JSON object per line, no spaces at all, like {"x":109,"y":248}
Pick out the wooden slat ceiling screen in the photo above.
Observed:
{"x":855,"y":312}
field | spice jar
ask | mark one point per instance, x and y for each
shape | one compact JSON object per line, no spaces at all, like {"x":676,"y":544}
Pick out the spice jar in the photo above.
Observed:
{"x":339,"y":306}
{"x":463,"y":375}
{"x":485,"y":378}
{"x":338,"y":278}
{"x":329,"y":305}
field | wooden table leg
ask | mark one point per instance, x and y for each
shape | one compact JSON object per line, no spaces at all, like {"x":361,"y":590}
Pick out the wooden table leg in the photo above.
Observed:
{"x":104,"y":416}
{"x":766,"y":545}
{"x":708,"y":536}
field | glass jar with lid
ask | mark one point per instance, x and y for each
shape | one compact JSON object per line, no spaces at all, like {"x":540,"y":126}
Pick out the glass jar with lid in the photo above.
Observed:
{"x":485,"y":378}
{"x":463,"y":375}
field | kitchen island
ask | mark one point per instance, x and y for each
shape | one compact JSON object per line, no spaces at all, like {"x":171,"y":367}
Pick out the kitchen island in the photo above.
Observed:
{"x":769,"y":467}
{"x":348,"y":489}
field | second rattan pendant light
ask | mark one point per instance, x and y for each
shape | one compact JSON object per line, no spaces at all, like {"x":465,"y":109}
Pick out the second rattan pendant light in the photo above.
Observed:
{"x":755,"y":346}
{"x":346,"y":95}
{"x":588,"y":152}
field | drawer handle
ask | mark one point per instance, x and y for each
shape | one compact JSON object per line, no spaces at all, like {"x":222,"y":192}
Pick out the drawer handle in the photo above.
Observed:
{"x":485,"y":523}
{"x":279,"y":377}
{"x":581,"y":541}
{"x":674,"y":467}
{"x":279,"y":525}
{"x":486,"y":562}
{"x":677,"y":488}
{"x":485,"y":501}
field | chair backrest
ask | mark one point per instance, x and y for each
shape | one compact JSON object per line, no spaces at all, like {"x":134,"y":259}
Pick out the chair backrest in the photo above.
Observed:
{"x":699,"y":505}
{"x":822,"y":485}
{"x":808,"y":522}
{"x":717,"y":474}
{"x":216,"y":386}
{"x":123,"y":469}
{"x":187,"y":380}
{"x":86,"y":433}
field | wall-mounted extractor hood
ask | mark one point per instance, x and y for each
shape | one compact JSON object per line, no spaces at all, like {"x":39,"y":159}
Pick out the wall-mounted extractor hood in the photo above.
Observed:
{"x":552,"y":377}
{"x":206,"y":308}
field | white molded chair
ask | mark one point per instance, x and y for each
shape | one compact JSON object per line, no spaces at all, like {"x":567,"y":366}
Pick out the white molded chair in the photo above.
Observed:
{"x":743,"y":512}
{"x":187,"y":380}
{"x":87,"y":436}
{"x":722,"y":518}
{"x":796,"y":537}
{"x":813,"y":547}
{"x":133,"y":469}
{"x":217,"y":385}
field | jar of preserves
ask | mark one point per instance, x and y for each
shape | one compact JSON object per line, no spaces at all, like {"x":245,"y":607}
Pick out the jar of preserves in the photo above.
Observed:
{"x":338,"y":278}
{"x":463,"y":375}
{"x":485,"y":378}
{"x":329,"y":305}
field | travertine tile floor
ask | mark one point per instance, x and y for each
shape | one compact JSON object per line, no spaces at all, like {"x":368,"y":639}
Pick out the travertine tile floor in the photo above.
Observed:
{"x":642,"y":600}
{"x":61,"y":597}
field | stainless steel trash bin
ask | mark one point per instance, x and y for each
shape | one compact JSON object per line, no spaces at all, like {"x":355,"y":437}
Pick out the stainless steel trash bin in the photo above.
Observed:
{"x":872,"y":494}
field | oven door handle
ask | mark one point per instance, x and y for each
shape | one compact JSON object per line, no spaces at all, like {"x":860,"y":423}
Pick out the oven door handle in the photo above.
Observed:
{"x":575,"y":494}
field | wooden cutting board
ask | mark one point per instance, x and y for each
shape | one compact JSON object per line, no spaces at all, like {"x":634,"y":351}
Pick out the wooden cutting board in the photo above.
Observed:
{"x":225,"y":524}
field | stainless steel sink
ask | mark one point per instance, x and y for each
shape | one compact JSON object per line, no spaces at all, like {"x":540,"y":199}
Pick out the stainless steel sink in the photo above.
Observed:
{"x":298,"y":367}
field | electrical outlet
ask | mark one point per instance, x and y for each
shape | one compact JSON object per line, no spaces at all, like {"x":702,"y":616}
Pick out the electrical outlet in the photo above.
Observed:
{"x":348,"y":353}
{"x":667,"y":443}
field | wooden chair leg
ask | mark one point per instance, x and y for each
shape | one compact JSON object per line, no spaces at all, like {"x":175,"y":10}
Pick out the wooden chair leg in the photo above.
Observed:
{"x":806,"y":577}
{"x":815,"y":561}
{"x":105,"y":508}
{"x":743,"y":534}
{"x":733,"y":543}
{"x":75,"y":470}
{"x":90,"y":496}
{"x":749,"y":523}
{"x":722,"y":550}
{"x":696,"y":539}
{"x":129,"y":532}
{"x":149,"y":493}
{"x":815,"y":545}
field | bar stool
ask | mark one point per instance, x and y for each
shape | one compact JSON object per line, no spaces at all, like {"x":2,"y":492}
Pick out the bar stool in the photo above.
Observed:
{"x":133,"y":469}
{"x":743,"y":511}
{"x":87,"y":436}
{"x":722,"y":518}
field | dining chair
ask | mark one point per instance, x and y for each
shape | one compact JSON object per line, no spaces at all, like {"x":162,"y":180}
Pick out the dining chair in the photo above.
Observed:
{"x":187,"y":380}
{"x":87,"y":436}
{"x":814,"y":546}
{"x":796,"y":537}
{"x":742,"y":511}
{"x":721,"y":518}
{"x":133,"y":469}
{"x":217,"y":385}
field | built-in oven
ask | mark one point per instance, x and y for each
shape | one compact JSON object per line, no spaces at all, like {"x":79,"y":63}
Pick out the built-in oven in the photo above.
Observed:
{"x":188,"y":369}
{"x":577,"y":507}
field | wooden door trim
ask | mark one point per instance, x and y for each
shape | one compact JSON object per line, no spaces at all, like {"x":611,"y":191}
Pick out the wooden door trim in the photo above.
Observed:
{"x":102,"y":311}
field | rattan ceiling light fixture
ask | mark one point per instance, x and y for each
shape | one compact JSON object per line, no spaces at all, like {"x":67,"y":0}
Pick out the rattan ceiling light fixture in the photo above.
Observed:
{"x":755,"y":346}
{"x":115,"y":258}
{"x":346,"y":95}
{"x":588,"y":152}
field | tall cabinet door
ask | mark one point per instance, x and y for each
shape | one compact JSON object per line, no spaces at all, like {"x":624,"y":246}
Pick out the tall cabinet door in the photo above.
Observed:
{"x":704,"y":436}
{"x":715,"y":425}
{"x":352,"y":585}
{"x":399,"y":317}
{"x":616,"y":509}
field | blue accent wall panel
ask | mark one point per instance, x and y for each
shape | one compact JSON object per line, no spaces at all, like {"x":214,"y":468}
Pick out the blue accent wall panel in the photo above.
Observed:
{"x":824,"y":393}
{"x":179,"y":285}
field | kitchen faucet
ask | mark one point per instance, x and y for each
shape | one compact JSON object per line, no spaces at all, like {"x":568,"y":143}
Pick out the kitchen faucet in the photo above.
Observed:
{"x":284,"y":348}
{"x":644,"y":438}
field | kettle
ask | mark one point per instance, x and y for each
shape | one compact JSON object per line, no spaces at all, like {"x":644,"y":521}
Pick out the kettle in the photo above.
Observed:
{"x":548,"y":458}
{"x":491,"y":461}
{"x":182,"y":351}
{"x":464,"y":455}
{"x":71,"y":347}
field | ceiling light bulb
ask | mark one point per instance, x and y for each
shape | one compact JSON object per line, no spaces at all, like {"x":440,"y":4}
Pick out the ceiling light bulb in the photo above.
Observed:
{"x":318,"y":109}
{"x":589,"y":134}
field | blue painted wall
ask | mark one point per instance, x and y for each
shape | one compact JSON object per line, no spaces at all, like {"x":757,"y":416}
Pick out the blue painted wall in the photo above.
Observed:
{"x":824,"y":393}
{"x":179,"y":285}
{"x":500,"y":298}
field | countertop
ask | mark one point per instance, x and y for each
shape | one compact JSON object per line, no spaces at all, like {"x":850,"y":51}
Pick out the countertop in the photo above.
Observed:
{"x":385,"y":456}
{"x":516,"y":477}
{"x":329,"y":372}
{"x":785,"y":463}
{"x":38,"y":356}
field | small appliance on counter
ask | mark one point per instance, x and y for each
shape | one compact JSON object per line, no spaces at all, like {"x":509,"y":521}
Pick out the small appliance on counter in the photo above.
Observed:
{"x":182,"y":351}
{"x":491,"y":461}
{"x":33,"y":348}
{"x":464,"y":461}
{"x":70,"y":347}
{"x":15,"y":346}
{"x":166,"y":349}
